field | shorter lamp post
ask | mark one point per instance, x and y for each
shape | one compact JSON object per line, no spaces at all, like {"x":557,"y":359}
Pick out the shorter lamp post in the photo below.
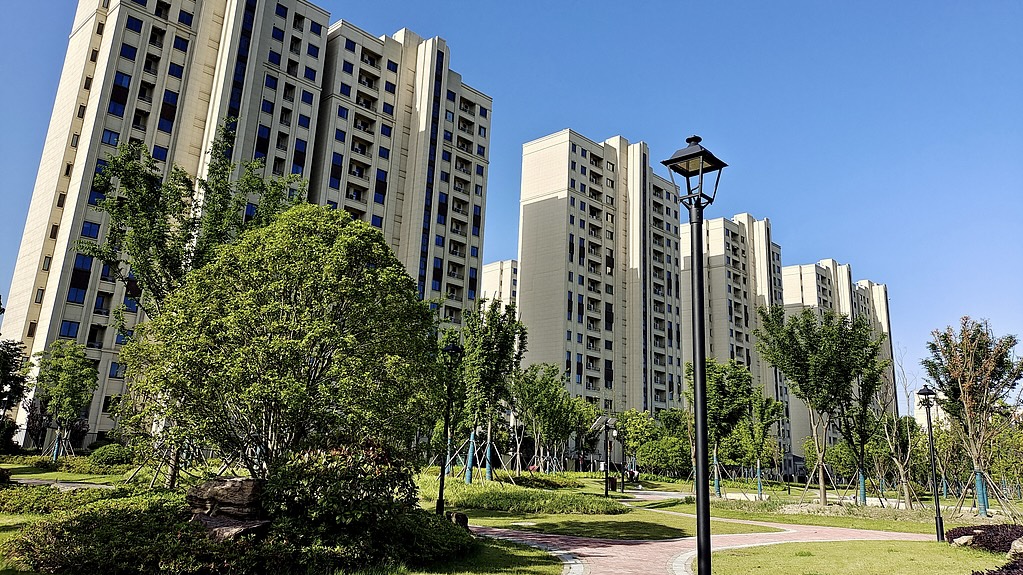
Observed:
{"x":927,"y":396}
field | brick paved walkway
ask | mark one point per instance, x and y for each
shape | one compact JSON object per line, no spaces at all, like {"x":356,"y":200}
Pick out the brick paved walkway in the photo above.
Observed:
{"x":584,"y":556}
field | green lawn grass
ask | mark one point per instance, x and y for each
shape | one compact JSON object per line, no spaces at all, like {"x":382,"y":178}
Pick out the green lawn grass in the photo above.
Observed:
{"x":9,"y":527}
{"x":639,"y":524}
{"x":853,"y":558}
{"x":26,"y":472}
{"x":491,"y":556}
{"x":918,"y":521}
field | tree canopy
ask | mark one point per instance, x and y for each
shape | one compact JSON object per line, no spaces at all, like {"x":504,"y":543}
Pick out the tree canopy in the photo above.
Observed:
{"x":304,"y":334}
{"x":66,"y":381}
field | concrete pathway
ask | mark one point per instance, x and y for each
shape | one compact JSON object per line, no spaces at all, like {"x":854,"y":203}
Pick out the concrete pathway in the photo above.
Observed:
{"x":585,"y":556}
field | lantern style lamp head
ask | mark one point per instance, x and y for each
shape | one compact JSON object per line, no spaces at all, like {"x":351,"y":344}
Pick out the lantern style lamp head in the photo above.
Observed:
{"x":692,"y":163}
{"x":926,"y":395}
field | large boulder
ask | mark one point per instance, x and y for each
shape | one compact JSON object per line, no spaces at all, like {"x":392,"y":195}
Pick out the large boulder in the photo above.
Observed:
{"x":1015,"y":550}
{"x":236,"y":497}
{"x":226,"y":528}
{"x":964,"y":541}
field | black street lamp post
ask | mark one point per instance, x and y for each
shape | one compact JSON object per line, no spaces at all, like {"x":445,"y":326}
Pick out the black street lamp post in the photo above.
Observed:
{"x":693,"y":163}
{"x":927,"y":396}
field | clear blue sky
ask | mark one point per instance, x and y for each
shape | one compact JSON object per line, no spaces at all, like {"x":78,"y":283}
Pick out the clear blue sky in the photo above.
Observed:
{"x":887,"y":135}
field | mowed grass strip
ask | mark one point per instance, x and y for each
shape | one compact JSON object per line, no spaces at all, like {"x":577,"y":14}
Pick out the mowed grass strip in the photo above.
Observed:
{"x":876,"y":519}
{"x":640,"y":524}
{"x":490,"y":556}
{"x":853,"y":558}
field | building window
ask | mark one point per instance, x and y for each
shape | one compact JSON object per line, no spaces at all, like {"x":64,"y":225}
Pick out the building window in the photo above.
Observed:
{"x":392,"y":65}
{"x":185,"y":18}
{"x":449,"y":116}
{"x":180,"y":44}
{"x":310,"y":74}
{"x":271,"y":82}
{"x":90,"y":230}
{"x":277,"y":34}
{"x":267,"y":107}
{"x":316,"y":28}
{"x":176,"y":70}
{"x":480,"y":150}
{"x":83,"y":262}
{"x":39,"y":295}
{"x":69,"y":329}
{"x":133,"y":24}
{"x":160,"y":153}
{"x":384,"y":153}
{"x":346,"y":90}
{"x":378,"y":221}
{"x":313,"y":51}
{"x":307,"y":97}
{"x":116,"y":370}
{"x":303,"y":120}
{"x":349,"y":45}
{"x":448,"y":135}
{"x":385,"y":130}
{"x":451,"y":96}
{"x":110,"y":137}
{"x":479,"y":170}
{"x":347,"y":67}
{"x":274,"y":58}
{"x":129,"y":52}
{"x":282,"y":11}
{"x":388,"y":109}
{"x":342,"y":112}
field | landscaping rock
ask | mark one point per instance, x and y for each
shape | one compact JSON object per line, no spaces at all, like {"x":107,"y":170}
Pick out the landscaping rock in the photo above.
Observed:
{"x":1016,"y":550}
{"x":227,"y":529}
{"x":459,"y":519}
{"x":964,"y":541}
{"x":236,"y":497}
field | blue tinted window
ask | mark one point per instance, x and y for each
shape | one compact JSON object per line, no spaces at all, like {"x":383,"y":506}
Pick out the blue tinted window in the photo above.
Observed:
{"x":479,"y":170}
{"x":141,"y":2}
{"x":176,"y":70}
{"x":339,"y":135}
{"x":349,"y":45}
{"x":313,"y":51}
{"x":392,"y":65}
{"x":95,"y":197}
{"x":342,"y":112}
{"x":483,"y":112}
{"x":310,"y":74}
{"x":346,"y":90}
{"x":83,"y":262}
{"x":271,"y":82}
{"x":439,"y":240}
{"x":267,"y":107}
{"x":76,"y":295}
{"x":474,"y":251}
{"x":128,"y":51}
{"x":384,"y":152}
{"x":378,"y":198}
{"x":121,"y":79}
{"x":274,"y":58}
{"x":110,"y":137}
{"x":451,"y":95}
{"x":389,"y":87}
{"x":160,"y":153}
{"x":180,"y":44}
{"x":448,"y":135}
{"x":307,"y":97}
{"x":116,"y":108}
{"x":389,"y":109}
{"x":303,"y":120}
{"x":385,"y":130}
{"x":130,"y":304}
{"x":445,"y":155}
{"x":122,"y":337}
{"x":378,"y":221}
{"x":69,"y":328}
{"x":282,"y":11}
{"x":277,"y":33}
{"x":347,"y":67}
{"x":133,"y":24}
{"x":185,"y":18}
{"x":315,"y":28}
{"x":90,"y":230}
{"x":116,"y":370}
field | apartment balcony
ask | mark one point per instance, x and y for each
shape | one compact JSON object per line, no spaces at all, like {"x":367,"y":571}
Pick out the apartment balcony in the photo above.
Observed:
{"x":370,"y":60}
{"x":456,"y":274}
{"x":367,"y":82}
{"x":459,"y":232}
{"x":463,"y":169}
{"x":457,"y":253}
{"x":460,"y":210}
{"x":359,"y":174}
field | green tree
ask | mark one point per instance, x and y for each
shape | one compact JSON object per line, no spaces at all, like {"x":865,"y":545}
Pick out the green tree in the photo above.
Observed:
{"x":635,"y":428}
{"x":974,"y":373}
{"x":495,"y":341}
{"x":821,"y":353}
{"x":303,"y":335}
{"x":729,"y":392}
{"x":13,"y":386}
{"x":669,"y":455}
{"x":754,"y":430}
{"x":66,"y":381}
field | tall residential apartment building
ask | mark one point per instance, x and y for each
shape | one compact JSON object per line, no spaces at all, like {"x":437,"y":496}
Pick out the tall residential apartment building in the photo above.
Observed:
{"x":743,"y":272}
{"x":501,"y":281}
{"x":599,"y":256}
{"x":828,"y":285}
{"x":380,"y":127}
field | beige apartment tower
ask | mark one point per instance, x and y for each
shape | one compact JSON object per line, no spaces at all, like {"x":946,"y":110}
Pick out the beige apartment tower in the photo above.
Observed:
{"x":599,"y":270}
{"x":743,"y":267}
{"x":378,"y":126}
{"x":501,"y":281}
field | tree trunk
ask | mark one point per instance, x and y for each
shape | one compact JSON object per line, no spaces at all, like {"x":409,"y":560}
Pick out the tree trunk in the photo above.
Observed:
{"x":172,"y":468}
{"x":490,"y":469}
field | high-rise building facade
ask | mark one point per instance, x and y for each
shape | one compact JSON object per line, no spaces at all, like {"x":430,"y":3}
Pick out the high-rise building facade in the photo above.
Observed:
{"x":501,"y":281}
{"x":599,"y":270}
{"x":743,"y":272}
{"x":380,"y":127}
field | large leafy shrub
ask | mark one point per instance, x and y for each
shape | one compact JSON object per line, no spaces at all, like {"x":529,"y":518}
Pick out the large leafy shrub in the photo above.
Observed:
{"x":112,"y":454}
{"x":326,"y":496}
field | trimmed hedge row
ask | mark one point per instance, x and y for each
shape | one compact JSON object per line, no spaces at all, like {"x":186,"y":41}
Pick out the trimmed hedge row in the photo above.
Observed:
{"x":527,"y":500}
{"x":70,"y":464}
{"x":44,"y":499}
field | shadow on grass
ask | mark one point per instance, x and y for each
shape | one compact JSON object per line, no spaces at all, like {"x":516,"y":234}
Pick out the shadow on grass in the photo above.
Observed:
{"x":619,"y":531}
{"x":662,"y":504}
{"x":497,"y":556}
